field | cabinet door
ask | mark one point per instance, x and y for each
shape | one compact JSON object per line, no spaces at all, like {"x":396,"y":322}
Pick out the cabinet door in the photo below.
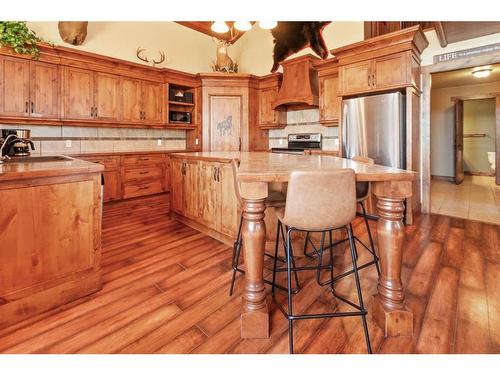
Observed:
{"x":107,"y":96}
{"x":167,"y":174}
{"x":267,"y":114}
{"x":226,"y":112}
{"x":191,"y":189}
{"x":177,"y":186}
{"x":131,"y":100}
{"x":44,"y":90}
{"x":78,"y":93}
{"x":228,"y":215}
{"x":208,"y":192}
{"x":390,"y":71}
{"x":356,"y":77}
{"x":152,"y":94}
{"x":329,"y":101}
{"x":14,"y":86}
{"x":112,"y":186}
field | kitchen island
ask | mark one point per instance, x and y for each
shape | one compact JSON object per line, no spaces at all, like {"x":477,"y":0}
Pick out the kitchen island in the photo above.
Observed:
{"x":259,"y":170}
{"x":50,"y":230}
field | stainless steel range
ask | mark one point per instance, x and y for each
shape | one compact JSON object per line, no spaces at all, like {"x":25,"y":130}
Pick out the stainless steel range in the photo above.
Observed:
{"x":298,"y":143}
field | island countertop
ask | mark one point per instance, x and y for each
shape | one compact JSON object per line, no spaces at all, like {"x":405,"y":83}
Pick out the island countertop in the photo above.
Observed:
{"x":274,"y":167}
{"x":12,"y":170}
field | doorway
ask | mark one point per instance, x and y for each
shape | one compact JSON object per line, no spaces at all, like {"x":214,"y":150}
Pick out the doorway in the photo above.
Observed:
{"x":464,"y":118}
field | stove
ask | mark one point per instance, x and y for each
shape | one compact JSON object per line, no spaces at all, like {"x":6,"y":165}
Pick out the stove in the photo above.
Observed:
{"x":298,"y":143}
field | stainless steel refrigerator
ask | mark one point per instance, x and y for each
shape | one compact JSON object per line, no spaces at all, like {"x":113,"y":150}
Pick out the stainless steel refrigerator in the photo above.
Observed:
{"x":374,"y":126}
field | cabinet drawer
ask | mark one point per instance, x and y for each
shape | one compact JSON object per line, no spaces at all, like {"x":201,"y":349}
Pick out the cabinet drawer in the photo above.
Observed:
{"x":109,"y":162}
{"x":142,"y":173}
{"x":142,"y":159}
{"x":142,"y":188}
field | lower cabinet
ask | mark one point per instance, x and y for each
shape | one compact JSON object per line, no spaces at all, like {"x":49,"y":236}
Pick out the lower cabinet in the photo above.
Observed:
{"x":130,"y":176}
{"x":203,"y":191}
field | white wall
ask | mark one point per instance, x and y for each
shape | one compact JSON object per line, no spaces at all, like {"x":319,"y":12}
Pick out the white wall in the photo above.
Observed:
{"x":479,"y":118}
{"x":254,"y":50}
{"x":443,"y":123}
{"x":185,"y":49}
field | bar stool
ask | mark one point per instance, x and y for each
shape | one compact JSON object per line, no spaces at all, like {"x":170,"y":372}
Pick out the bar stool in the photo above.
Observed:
{"x":275,"y":199}
{"x":363,"y":190}
{"x":325,"y":212}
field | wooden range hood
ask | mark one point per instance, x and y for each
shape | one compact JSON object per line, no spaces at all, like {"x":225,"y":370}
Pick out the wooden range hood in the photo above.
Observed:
{"x":299,"y":89}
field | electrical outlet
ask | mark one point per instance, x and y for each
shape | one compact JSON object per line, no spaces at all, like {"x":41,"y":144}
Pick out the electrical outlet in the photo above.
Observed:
{"x":281,"y":141}
{"x":159,"y":142}
{"x":196,"y":141}
{"x":68,"y":143}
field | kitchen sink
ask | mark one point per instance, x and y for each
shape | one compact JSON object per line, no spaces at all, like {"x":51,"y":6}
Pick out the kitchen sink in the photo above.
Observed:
{"x":37,"y":159}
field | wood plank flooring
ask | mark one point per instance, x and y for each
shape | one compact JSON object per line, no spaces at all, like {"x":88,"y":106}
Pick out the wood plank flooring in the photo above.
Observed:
{"x":166,"y":291}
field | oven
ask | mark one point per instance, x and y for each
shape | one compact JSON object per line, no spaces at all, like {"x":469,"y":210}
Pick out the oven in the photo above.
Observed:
{"x":298,"y":143}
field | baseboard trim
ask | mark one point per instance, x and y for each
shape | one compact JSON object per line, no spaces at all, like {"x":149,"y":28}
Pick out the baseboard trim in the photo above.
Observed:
{"x":443,"y":178}
{"x":488,"y":174}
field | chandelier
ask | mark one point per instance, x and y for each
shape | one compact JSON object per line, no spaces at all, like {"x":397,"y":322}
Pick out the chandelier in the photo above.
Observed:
{"x":222,"y":27}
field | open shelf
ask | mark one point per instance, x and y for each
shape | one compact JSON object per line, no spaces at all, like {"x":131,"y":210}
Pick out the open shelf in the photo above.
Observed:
{"x":171,"y":102}
{"x":180,"y":126}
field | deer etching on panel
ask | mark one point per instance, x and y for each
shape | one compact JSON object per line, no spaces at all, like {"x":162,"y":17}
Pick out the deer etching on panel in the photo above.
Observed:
{"x":225,"y":127}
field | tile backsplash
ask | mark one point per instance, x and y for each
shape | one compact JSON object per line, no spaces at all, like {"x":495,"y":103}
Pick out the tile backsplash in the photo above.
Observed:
{"x":305,"y":121}
{"x":75,"y":139}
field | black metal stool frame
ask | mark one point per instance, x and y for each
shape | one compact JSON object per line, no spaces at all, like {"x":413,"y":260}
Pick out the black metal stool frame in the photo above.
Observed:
{"x":236,"y":260}
{"x":288,"y":313}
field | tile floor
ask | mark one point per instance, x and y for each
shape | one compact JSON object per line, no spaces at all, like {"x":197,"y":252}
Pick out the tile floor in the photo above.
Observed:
{"x":477,"y":198}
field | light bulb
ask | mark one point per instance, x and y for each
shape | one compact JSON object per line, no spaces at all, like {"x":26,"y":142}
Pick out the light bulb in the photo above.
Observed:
{"x":482,"y":72}
{"x":268,"y":24}
{"x":219,"y":27}
{"x":242,"y":25}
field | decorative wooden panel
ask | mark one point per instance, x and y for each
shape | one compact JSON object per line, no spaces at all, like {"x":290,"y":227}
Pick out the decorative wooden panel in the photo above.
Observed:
{"x":44,"y":90}
{"x":78,"y":93}
{"x":14,"y":81}
{"x":208,"y":193}
{"x":177,"y":186}
{"x":112,"y":186}
{"x":107,"y":96}
{"x":229,"y":217}
{"x":329,"y":101}
{"x":225,"y":122}
{"x":190,"y":182}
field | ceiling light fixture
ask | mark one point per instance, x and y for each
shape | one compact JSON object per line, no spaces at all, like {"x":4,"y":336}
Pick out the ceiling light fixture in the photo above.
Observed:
{"x":481,"y":72}
{"x":242,"y":25}
{"x":219,"y":27}
{"x":267,"y":25}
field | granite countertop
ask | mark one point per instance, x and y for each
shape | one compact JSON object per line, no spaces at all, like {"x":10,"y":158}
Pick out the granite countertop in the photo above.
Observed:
{"x":21,"y":170}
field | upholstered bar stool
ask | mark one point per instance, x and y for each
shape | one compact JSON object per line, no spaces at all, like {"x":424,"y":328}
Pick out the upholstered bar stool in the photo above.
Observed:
{"x":275,"y":199}
{"x":312,"y":207}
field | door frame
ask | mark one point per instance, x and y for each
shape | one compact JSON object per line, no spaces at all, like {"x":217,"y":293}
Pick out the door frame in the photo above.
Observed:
{"x":425,"y":117}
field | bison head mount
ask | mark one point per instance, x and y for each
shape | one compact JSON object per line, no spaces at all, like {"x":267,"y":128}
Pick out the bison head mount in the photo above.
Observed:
{"x":73,"y":32}
{"x":291,"y":37}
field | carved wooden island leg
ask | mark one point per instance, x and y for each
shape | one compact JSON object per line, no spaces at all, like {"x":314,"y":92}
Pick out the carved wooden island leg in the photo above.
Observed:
{"x":254,"y":313}
{"x":389,"y":309}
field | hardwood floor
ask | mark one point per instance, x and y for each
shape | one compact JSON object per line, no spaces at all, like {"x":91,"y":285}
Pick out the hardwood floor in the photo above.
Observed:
{"x":166,"y":291}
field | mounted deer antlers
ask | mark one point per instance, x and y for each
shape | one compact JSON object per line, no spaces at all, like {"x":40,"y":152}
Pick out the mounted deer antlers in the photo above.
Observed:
{"x":146,"y":60}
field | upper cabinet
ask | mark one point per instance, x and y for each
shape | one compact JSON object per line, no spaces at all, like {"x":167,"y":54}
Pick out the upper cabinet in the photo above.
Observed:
{"x":329,"y":99}
{"x":28,"y":88}
{"x":269,"y":118}
{"x":107,"y":96}
{"x":78,"y":92}
{"x":131,"y":100}
{"x":387,"y":62}
{"x":152,"y":102}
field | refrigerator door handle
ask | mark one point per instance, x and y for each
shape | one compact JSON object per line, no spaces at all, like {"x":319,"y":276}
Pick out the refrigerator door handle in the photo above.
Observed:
{"x":345,"y":138}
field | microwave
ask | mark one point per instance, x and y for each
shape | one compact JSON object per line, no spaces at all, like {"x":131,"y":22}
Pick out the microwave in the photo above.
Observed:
{"x":176,"y":116}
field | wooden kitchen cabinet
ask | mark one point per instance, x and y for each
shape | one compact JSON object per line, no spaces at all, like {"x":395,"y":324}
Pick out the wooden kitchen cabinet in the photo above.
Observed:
{"x":177,"y":188}
{"x":329,"y":100}
{"x":152,"y":103}
{"x":191,"y":173}
{"x":14,"y":86}
{"x":131,"y":100}
{"x":142,"y":101}
{"x":28,"y":88}
{"x":107,"y":97}
{"x":208,"y":194}
{"x":111,"y":176}
{"x":268,"y":91}
{"x":387,"y":62}
{"x":228,"y":214}
{"x":142,"y":174}
{"x":78,"y":94}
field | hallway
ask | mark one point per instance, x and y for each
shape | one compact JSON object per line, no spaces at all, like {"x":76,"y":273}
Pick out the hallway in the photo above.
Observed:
{"x":477,"y":198}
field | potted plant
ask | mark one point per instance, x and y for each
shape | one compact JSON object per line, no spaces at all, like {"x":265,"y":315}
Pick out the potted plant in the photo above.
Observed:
{"x":22,"y":40}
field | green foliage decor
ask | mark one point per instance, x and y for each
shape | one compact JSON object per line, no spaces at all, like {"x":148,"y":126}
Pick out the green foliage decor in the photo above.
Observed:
{"x":16,"y":35}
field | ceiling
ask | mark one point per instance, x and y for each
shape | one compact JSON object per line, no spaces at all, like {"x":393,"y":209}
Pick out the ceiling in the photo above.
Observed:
{"x":463,"y":77}
{"x":451,"y":32}
{"x":204,"y":27}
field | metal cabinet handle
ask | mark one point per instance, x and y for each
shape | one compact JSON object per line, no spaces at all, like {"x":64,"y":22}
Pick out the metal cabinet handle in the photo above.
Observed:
{"x":26,"y":108}
{"x":218,"y":174}
{"x":215,"y":173}
{"x":143,"y":187}
{"x":374,"y":82}
{"x":95,"y":112}
{"x":145,"y":172}
{"x":92,"y":112}
{"x":32,"y":107}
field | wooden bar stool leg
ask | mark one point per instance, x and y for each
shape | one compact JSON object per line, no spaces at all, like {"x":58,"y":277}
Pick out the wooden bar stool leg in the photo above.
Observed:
{"x":236,"y":256}
{"x":289,"y":285}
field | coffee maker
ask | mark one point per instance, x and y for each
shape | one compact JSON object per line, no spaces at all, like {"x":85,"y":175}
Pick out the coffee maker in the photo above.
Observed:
{"x":15,"y":142}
